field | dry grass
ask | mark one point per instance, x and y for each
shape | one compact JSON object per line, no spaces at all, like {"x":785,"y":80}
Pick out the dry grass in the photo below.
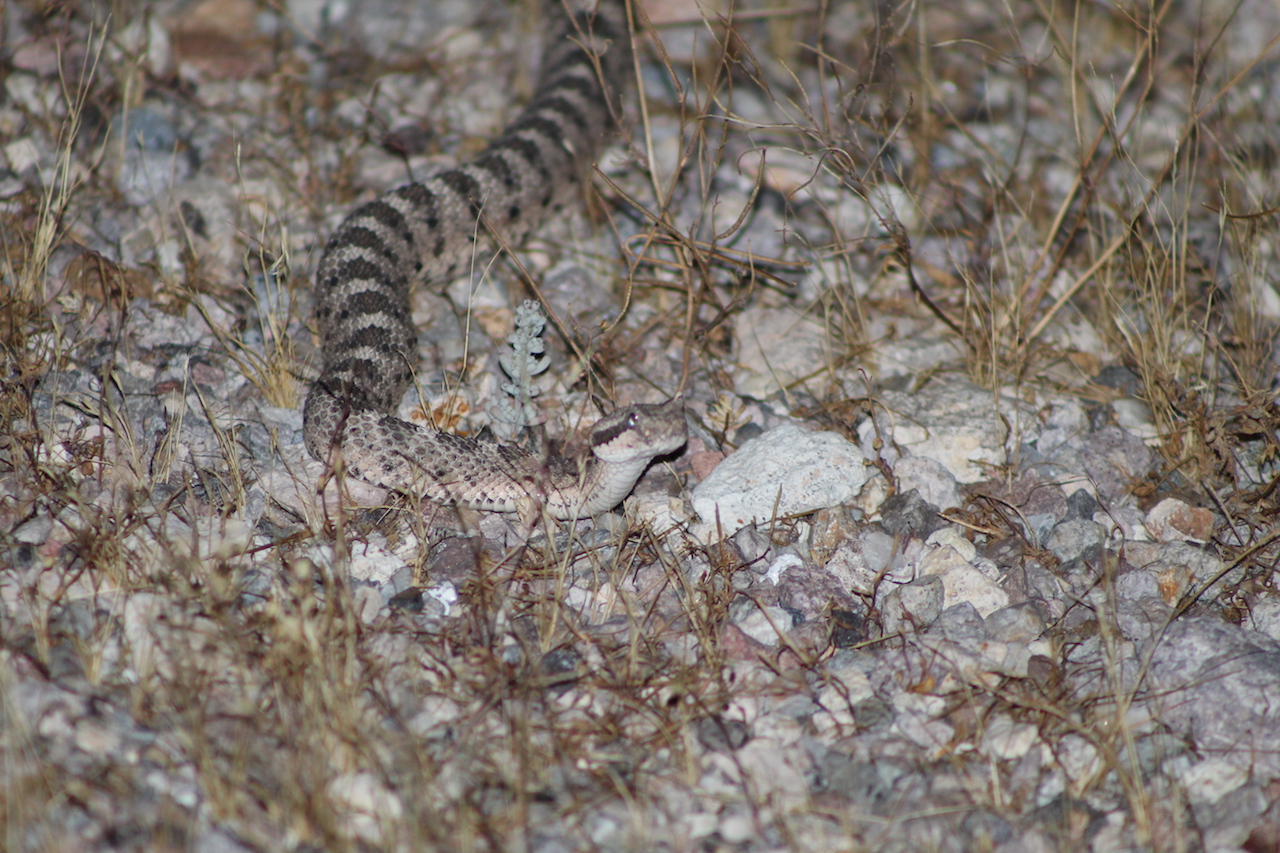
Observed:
{"x":290,"y":708}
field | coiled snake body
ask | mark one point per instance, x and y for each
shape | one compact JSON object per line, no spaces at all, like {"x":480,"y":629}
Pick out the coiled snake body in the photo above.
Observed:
{"x":427,"y":229}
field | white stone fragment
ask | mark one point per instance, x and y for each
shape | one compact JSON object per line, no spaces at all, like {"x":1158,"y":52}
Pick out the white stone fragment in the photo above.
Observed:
{"x":961,"y":580}
{"x":35,"y":531}
{"x":930,"y":734}
{"x":367,"y":602}
{"x":146,"y":37}
{"x":848,"y":687}
{"x":1079,"y":760}
{"x":1212,"y":779}
{"x":1007,"y":739}
{"x":445,"y":593}
{"x":1265,"y":617}
{"x":780,"y":565}
{"x":786,"y":471}
{"x":700,"y":824}
{"x":912,"y":355}
{"x":737,"y":827}
{"x":22,"y":154}
{"x":366,"y":805}
{"x":436,"y":714}
{"x":142,"y":610}
{"x":659,"y":512}
{"x":912,"y":606}
{"x":765,"y":625}
{"x":1173,"y":520}
{"x":372,"y":564}
{"x":96,"y":737}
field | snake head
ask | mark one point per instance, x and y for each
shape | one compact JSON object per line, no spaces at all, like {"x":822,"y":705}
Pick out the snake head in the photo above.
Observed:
{"x":640,"y":432}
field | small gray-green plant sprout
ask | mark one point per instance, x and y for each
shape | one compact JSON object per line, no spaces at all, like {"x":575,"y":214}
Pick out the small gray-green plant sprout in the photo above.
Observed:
{"x":523,"y":363}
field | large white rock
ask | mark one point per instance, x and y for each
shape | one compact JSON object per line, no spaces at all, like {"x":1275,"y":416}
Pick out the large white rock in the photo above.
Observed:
{"x":786,"y":471}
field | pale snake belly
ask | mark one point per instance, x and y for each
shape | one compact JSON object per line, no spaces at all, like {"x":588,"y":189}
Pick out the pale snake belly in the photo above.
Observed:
{"x":428,"y":229}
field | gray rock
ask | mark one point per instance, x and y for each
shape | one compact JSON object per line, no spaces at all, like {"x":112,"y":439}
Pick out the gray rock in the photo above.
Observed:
{"x":755,"y":547}
{"x":1017,"y":623}
{"x":810,"y":592}
{"x":1141,"y":618}
{"x":930,"y":478}
{"x":960,"y":621}
{"x":913,"y":606}
{"x":1077,"y":538}
{"x":720,"y":735}
{"x":1081,"y":504}
{"x":1031,"y":581}
{"x":908,"y":514}
{"x":1218,"y":685}
{"x":1226,"y":823}
{"x":858,"y":781}
{"x":777,"y":347}
{"x":152,"y":161}
{"x":1065,"y":423}
{"x":1038,"y":525}
{"x":1113,"y":459}
{"x":765,"y":624}
{"x":877,"y":549}
{"x":1264,"y":616}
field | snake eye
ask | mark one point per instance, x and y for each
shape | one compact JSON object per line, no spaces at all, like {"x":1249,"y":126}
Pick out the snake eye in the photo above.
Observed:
{"x":633,"y":420}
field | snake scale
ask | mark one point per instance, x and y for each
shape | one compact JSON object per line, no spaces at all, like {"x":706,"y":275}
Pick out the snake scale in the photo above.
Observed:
{"x":427,"y":230}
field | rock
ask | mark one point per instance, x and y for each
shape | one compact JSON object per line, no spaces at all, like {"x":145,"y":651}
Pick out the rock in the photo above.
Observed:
{"x":853,"y":568}
{"x":765,"y":625}
{"x":1113,"y":459}
{"x":1016,"y":623}
{"x":756,"y":549}
{"x":1172,"y":520}
{"x":954,"y":559}
{"x":930,"y":479}
{"x":956,"y":423}
{"x":786,"y":471}
{"x":809,"y":592}
{"x":831,"y":528}
{"x":960,"y":621}
{"x":1081,"y":504}
{"x":1074,"y":539}
{"x":716,"y":733}
{"x":1217,"y":684}
{"x":35,"y":531}
{"x":777,"y":346}
{"x":1265,"y":617}
{"x":366,"y":805}
{"x":1004,"y":738}
{"x":913,"y":606}
{"x":373,"y":564}
{"x":908,"y":514}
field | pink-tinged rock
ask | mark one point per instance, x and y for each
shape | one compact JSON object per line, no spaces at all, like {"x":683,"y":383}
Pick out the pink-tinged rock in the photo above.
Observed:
{"x":705,"y":462}
{"x":736,"y":645}
{"x":1172,"y":520}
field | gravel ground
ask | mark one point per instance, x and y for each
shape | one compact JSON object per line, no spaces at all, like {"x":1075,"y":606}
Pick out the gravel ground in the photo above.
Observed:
{"x":972,"y":545}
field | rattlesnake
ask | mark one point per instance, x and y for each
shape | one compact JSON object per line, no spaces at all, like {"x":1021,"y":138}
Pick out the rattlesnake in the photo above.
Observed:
{"x":428,"y":229}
